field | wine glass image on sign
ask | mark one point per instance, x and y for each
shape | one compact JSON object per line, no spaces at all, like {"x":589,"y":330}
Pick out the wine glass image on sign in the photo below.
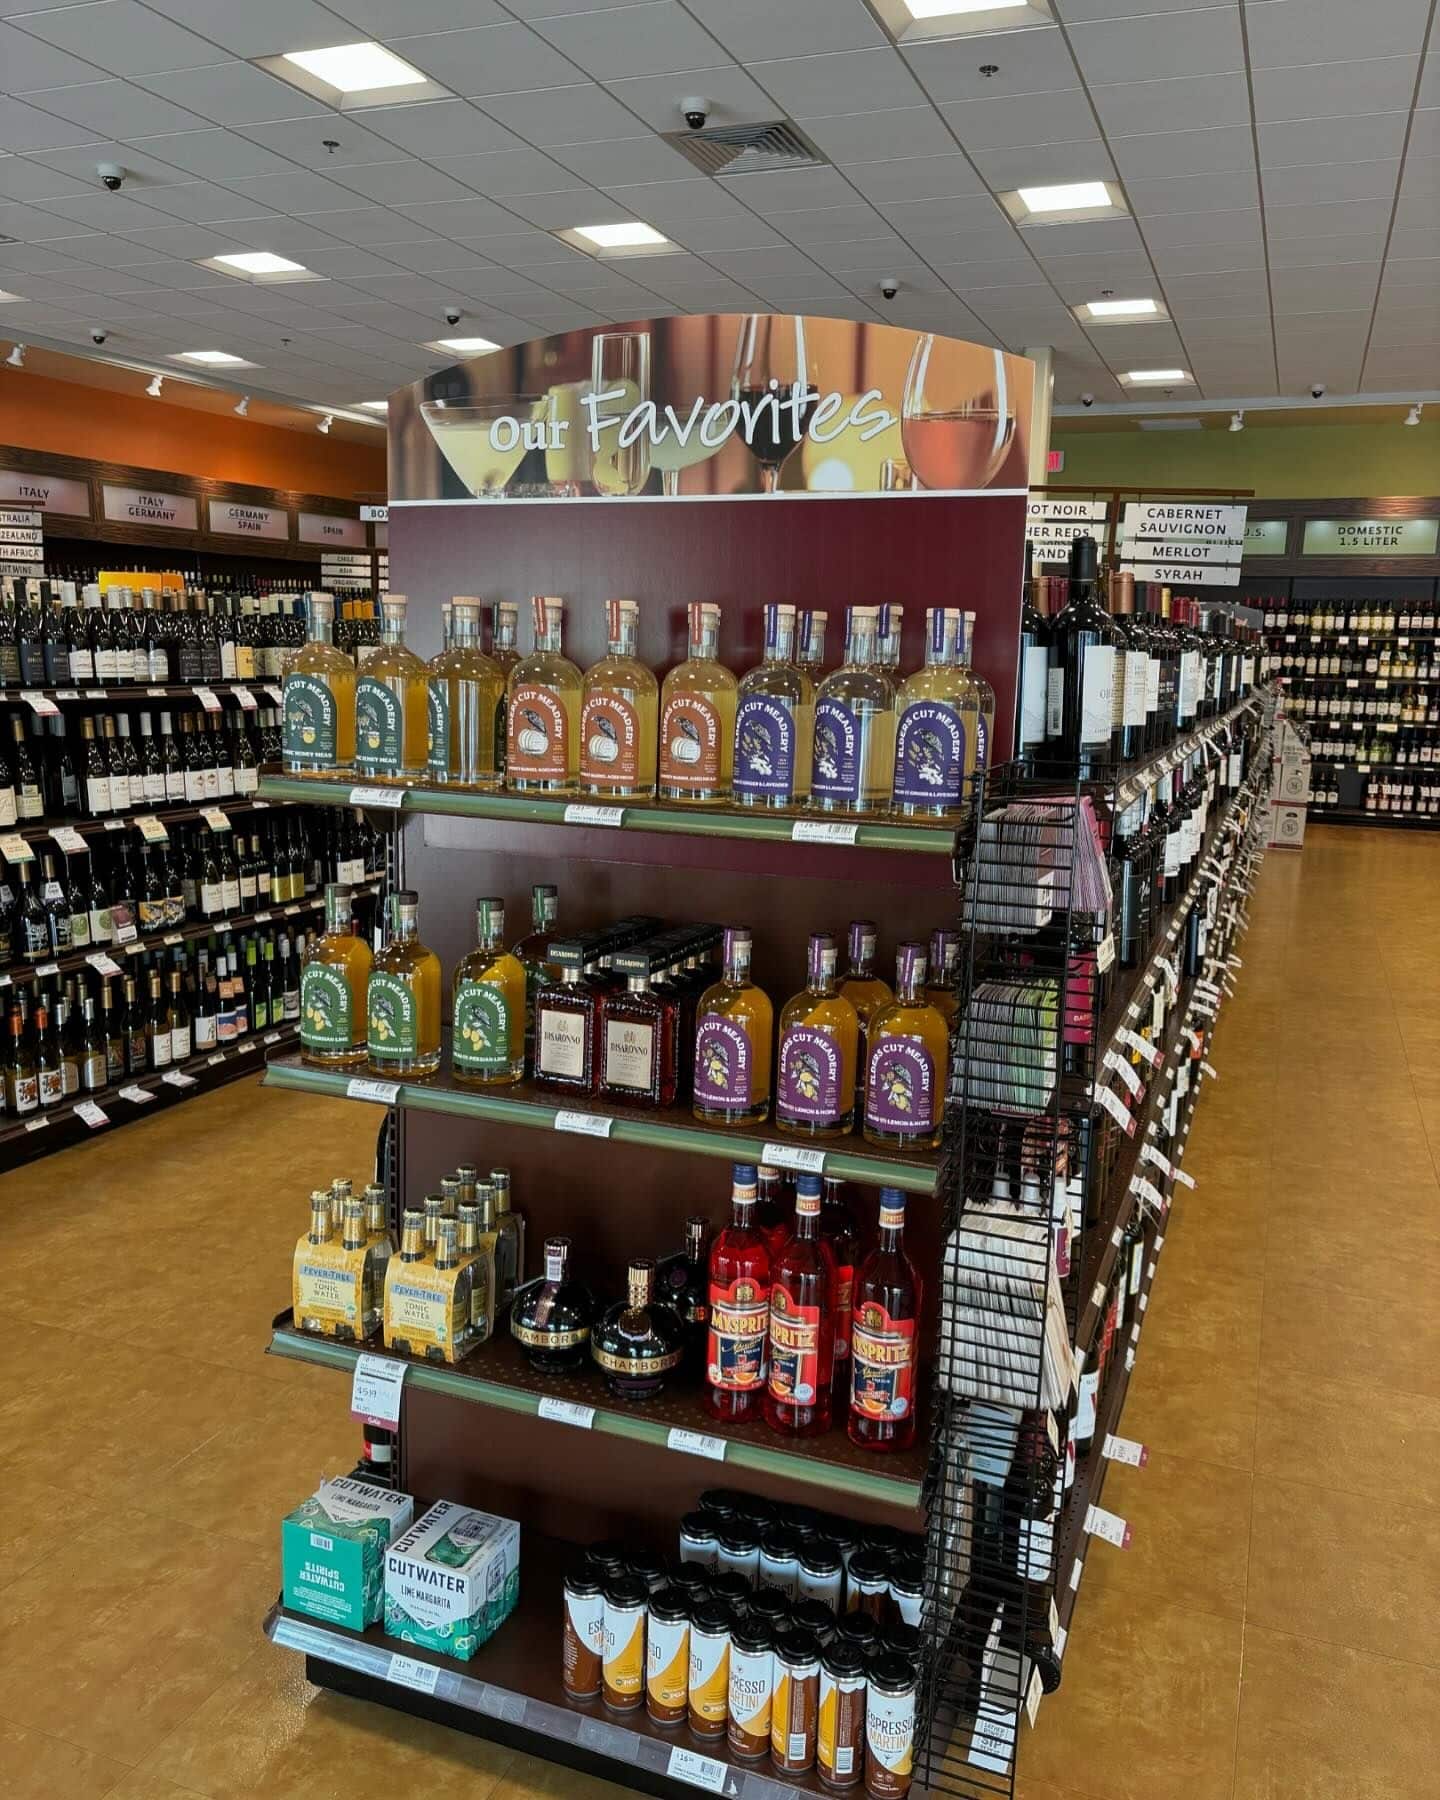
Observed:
{"x":775,"y":385}
{"x":957,"y":417}
{"x":484,"y":442}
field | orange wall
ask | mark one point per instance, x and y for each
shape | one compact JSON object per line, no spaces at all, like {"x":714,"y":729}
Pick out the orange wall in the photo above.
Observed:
{"x":38,"y":413}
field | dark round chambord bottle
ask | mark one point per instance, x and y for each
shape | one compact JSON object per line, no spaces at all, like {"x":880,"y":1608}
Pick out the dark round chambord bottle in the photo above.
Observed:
{"x":552,"y":1315}
{"x":638,"y":1341}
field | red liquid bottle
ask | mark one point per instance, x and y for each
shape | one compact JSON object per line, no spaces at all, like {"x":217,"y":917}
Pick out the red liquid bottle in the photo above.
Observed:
{"x":772,"y":1218}
{"x":739,"y":1297}
{"x":837,"y":1228}
{"x":884,"y":1345}
{"x":802,"y":1326}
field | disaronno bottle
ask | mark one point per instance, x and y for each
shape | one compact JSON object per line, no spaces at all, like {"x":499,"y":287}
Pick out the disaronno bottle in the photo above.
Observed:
{"x":319,"y":731}
{"x":403,"y":1002}
{"x":543,"y":696}
{"x":909,"y":1049}
{"x":392,"y":725}
{"x":487,"y":1041}
{"x":775,"y":722}
{"x":697,"y":717}
{"x":618,"y":713}
{"x":855,"y":726}
{"x":938,"y":728}
{"x":466,"y":688}
{"x":334,"y":975}
{"x":734,"y":1024}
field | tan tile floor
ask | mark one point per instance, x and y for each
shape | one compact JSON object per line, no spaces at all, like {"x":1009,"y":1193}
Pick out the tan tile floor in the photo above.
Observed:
{"x":1269,"y":1635}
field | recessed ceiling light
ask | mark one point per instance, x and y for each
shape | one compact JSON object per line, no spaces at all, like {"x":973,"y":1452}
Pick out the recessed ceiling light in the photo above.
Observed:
{"x":259,"y":262}
{"x":213,"y":358}
{"x":469,"y":346}
{"x":945,"y":9}
{"x":1070,"y":196}
{"x":4,"y":296}
{"x":620,"y":237}
{"x":374,"y":405}
{"x":356,"y":68}
{"x":1142,"y":375}
{"x":1121,"y":309}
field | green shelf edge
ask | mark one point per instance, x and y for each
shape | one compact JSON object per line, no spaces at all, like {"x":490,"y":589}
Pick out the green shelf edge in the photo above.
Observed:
{"x":833,"y":1478}
{"x":675,"y":822}
{"x":732,"y":1147}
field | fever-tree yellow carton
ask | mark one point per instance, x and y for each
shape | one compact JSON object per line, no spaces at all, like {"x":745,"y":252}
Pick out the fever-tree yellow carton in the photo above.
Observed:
{"x":427,"y":1304}
{"x":334,"y":1280}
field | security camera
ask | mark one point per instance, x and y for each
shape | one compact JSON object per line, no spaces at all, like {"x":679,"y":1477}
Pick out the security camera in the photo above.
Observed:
{"x":98,"y":334}
{"x":112,"y":176}
{"x":453,"y":315}
{"x":1087,"y":399}
{"x":889,"y":287}
{"x":1317,"y":390}
{"x":695,"y":110}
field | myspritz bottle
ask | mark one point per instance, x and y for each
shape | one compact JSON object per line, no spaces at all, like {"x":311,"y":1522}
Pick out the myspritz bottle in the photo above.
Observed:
{"x":775,"y":722}
{"x":618,"y":714}
{"x":543,"y":697}
{"x":319,"y":733}
{"x":392,"y":723}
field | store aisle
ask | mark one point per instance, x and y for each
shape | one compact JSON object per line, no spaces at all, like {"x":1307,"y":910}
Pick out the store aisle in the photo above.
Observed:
{"x":1266,"y":1637}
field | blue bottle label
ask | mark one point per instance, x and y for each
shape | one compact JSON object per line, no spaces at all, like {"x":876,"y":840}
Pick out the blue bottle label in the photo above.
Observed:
{"x":765,"y":747}
{"x":930,"y":754}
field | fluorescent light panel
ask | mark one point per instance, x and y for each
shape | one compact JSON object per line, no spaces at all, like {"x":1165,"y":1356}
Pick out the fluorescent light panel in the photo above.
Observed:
{"x":1121,"y":309}
{"x":260,"y":262}
{"x":364,"y":68}
{"x":4,"y":296}
{"x":620,"y":237}
{"x":1139,"y":376}
{"x":466,"y":346}
{"x":953,"y":9}
{"x":1073,"y":196}
{"x":215,"y":358}
{"x":374,"y":405}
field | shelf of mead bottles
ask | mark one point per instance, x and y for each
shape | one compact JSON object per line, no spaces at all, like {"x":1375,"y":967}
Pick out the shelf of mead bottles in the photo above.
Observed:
{"x":1068,"y":1144}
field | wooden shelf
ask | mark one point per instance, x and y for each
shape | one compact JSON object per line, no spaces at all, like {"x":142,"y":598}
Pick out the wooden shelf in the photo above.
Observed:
{"x":134,"y":693}
{"x":540,"y":1109}
{"x":36,"y":829}
{"x":498,"y":1375}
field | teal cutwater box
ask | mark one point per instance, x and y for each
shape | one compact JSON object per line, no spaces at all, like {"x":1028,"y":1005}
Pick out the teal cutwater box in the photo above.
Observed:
{"x":452,"y":1580}
{"x":332,"y":1551}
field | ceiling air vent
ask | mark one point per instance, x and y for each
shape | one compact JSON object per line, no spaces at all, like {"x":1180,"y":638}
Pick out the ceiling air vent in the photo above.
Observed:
{"x":747,"y":149}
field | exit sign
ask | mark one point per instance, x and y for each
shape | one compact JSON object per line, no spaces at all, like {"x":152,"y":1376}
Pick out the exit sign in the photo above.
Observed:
{"x":1054,"y":462}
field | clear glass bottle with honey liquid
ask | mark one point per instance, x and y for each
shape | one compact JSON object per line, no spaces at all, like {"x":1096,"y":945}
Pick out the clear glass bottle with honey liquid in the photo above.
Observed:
{"x":619,"y":712}
{"x":392,"y":709}
{"x":938,"y":725}
{"x":403,"y":998}
{"x":466,"y":688}
{"x":487,"y":1031}
{"x":909,"y":1047}
{"x":697,"y":717}
{"x":334,"y":979}
{"x":855,"y":726}
{"x":815,"y":1064}
{"x":504,"y":653}
{"x":866,"y":991}
{"x":543,"y":696}
{"x":319,"y":699}
{"x":985,"y":739}
{"x":775,"y":722}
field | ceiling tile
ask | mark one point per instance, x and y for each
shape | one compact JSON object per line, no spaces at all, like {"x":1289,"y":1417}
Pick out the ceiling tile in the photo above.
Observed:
{"x":21,"y":179}
{"x":304,"y":141}
{"x":831,"y":224}
{"x":346,"y":263}
{"x":435,"y":128}
{"x":1077,"y":278}
{"x":840,"y":82}
{"x":785,"y":189}
{"x":1308,"y":221}
{"x":1196,"y":297}
{"x":1297,"y":292}
{"x":1412,"y":272}
{"x":617,"y":162}
{"x":567,"y":207}
{"x":1005,"y":124}
{"x":1205,"y":42}
{"x":26,"y":127}
{"x":1429,"y":94}
{"x":366,"y":225}
{"x":705,"y":235}
{"x":1027,"y":62}
{"x":1334,"y":90}
{"x":117,"y":109}
{"x":735,"y":99}
{"x":914,"y":178}
{"x":1415,"y":240}
{"x":403,"y":183}
{"x":1187,"y":258}
{"x":1159,"y":155}
{"x":875,"y":136}
{"x":1039,"y":163}
{"x":1415,"y":208}
{"x":878,"y":256}
{"x":981,"y":243}
{"x":784,"y":260}
{"x":1000,"y":280}
{"x":234,"y":93}
{"x":386,"y":18}
{"x":1425,"y":132}
{"x":461,"y":218}
{"x":1283,"y":33}
{"x":212,"y":155}
{"x":256,"y":27}
{"x":197,"y":201}
{"x":578,"y":114}
{"x":1178,"y":103}
{"x":122,"y":37}
{"x":1235,"y":225}
{"x":1076,"y":12}
{"x":1422,"y":178}
{"x":491,"y":59}
{"x":1240,"y":328}
{"x":34,"y":62}
{"x":187,"y":242}
{"x":657,"y":38}
{"x":750,"y":29}
{"x":298,"y":191}
{"x":98,"y":211}
{"x":1103,"y":236}
{"x":1367,"y":137}
{"x":1331,"y":182}
{"x":1193,"y":193}
{"x":1324,"y":251}
{"x":497,"y":173}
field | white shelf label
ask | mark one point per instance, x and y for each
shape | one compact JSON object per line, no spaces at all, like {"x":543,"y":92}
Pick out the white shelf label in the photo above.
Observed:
{"x":1033,"y":1696}
{"x":152,"y":829}
{"x":103,"y":963}
{"x":36,"y":1124}
{"x":155,"y":693}
{"x":594,"y":815}
{"x":696,"y":1443}
{"x":1118,"y":1066}
{"x":1107,"y":1525}
{"x":41,"y":703}
{"x":272,"y":1037}
{"x":1206,"y":1069}
{"x":358,"y":1088}
{"x":1077,"y":1569}
{"x":566,"y":1412}
{"x":14,"y":848}
{"x":137,"y":1096}
{"x":394,"y":798}
{"x":375,"y":1390}
{"x":245,"y":697}
{"x":1117,"y":1109}
{"x":1141,"y":1046}
{"x":218,"y":1057}
{"x":207,"y":699}
{"x":1188,"y":1180}
{"x":1097,"y":1294}
{"x":1147,"y":1190}
{"x":276,"y":695}
{"x":1105,"y":955}
{"x":69,"y":839}
{"x":794,"y":1156}
{"x":1151,"y":1155}
{"x":700,"y":1771}
{"x":583,"y":1124}
{"x":93,"y":1116}
{"x":67,"y":693}
{"x":1125,"y":1450}
{"x":178,"y":1078}
{"x":215,"y":818}
{"x":821,"y":831}
{"x":405,"y":1671}
{"x":44,"y":970}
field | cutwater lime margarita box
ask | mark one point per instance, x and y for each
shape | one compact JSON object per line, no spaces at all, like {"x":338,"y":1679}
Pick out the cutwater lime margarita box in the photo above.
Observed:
{"x":452,"y":1580}
{"x":332,"y":1550}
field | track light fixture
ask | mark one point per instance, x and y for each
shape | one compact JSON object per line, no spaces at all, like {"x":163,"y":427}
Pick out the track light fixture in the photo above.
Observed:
{"x":1237,"y":420}
{"x":324,"y":426}
{"x":156,"y":383}
{"x":1414,"y":415}
{"x":242,"y":409}
{"x":16,"y":358}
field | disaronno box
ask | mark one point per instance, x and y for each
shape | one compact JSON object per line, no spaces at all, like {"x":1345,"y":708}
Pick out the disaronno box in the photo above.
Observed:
{"x":452,"y":1580}
{"x":332,"y":1551}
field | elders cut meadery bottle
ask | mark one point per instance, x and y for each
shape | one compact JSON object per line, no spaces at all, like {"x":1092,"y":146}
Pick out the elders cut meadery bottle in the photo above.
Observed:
{"x":334,"y":977}
{"x":403,"y":998}
{"x":319,"y":731}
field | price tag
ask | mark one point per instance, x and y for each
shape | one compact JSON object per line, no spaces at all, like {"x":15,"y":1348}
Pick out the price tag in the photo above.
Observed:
{"x":69,"y":839}
{"x":44,"y":970}
{"x":1188,"y":1180}
{"x":1129,"y":1361}
{"x":1097,"y":1294}
{"x":174,"y":937}
{"x":178,"y":1078}
{"x":245,"y":697}
{"x":137,"y":1096}
{"x":1147,"y":1190}
{"x":821,"y":831}
{"x":156,"y":693}
{"x":1141,"y":1046}
{"x":1116,"y":1108}
{"x":1118,"y":1066}
{"x":1077,"y":1569}
{"x":67,"y":693}
{"x":794,"y":1156}
{"x":275,"y":694}
{"x":696,"y":1443}
{"x":1060,"y":1637}
{"x":153,"y":830}
{"x":358,"y":1088}
{"x":394,"y":798}
{"x":405,"y":1671}
{"x":103,"y":963}
{"x":14,"y":848}
{"x":215,"y":818}
{"x":114,"y":824}
{"x":1107,"y":1525}
{"x":1126,"y":1450}
{"x":567,"y":1412}
{"x":260,"y":918}
{"x":583,"y":1124}
{"x":273,"y":1037}
{"x":1151,"y":1155}
{"x":594,"y":815}
{"x":1033,"y":1695}
{"x":40,"y":703}
{"x":96,"y":694}
{"x":207,"y":699}
{"x":1105,"y":955}
{"x":91,"y":1114}
{"x":1171,"y":975}
{"x":375,"y":1390}
{"x":218,"y":1057}
{"x":1205,"y":1069}
{"x":36,"y":1124}
{"x":700,"y":1771}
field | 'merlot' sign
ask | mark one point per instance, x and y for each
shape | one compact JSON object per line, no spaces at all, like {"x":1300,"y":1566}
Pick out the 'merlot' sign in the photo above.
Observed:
{"x":1183,"y":541}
